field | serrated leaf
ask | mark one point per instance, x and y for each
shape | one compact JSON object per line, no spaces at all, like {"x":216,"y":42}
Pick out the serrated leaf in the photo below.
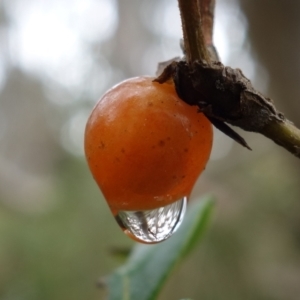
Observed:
{"x":148,"y":266}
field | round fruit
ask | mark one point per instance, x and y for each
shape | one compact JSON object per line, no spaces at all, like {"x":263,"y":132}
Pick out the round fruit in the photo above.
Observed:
{"x":146,"y":147}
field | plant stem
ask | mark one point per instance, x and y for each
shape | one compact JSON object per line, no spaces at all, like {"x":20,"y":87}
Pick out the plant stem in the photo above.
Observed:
{"x":197,"y":17}
{"x":207,"y":8}
{"x":193,"y":38}
{"x":285,"y":134}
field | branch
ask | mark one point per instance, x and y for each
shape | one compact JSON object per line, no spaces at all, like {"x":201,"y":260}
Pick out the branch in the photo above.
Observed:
{"x":285,"y":134}
{"x":226,"y":95}
{"x":193,"y":39}
{"x":207,"y":8}
{"x":223,"y":94}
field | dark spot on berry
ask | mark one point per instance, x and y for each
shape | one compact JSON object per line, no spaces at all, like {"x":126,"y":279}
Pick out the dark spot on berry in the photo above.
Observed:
{"x":161,"y":143}
{"x":123,"y":150}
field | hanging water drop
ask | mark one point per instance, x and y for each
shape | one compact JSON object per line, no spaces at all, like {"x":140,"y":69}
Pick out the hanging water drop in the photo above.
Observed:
{"x":153,"y":226}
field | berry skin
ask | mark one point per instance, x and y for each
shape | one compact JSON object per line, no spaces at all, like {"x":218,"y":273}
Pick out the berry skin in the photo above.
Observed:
{"x":146,"y":147}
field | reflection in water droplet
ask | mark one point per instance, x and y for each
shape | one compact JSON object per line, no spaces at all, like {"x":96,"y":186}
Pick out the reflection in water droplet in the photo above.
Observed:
{"x":153,"y":226}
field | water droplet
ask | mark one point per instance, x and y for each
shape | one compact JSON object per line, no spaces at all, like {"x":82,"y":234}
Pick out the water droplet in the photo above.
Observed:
{"x":153,"y":226}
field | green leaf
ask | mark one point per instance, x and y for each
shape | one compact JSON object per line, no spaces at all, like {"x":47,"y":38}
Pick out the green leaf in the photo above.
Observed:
{"x":148,"y":266}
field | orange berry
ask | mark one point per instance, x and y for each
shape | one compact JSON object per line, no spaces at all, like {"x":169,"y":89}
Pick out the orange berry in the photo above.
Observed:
{"x":146,"y":147}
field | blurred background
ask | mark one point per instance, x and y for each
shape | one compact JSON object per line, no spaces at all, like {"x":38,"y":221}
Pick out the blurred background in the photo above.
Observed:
{"x":56,"y":232}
